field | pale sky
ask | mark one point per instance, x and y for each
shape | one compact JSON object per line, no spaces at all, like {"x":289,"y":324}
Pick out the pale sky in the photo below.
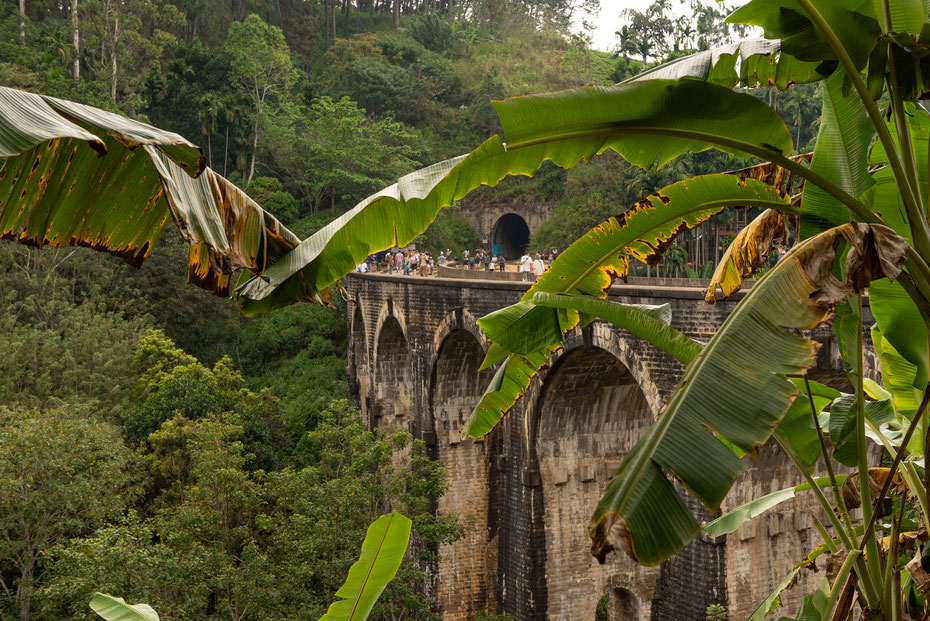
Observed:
{"x":609,"y":22}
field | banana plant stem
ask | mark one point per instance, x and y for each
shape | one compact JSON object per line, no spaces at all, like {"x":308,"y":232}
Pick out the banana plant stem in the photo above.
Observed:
{"x":897,"y":107}
{"x":828,"y":463}
{"x":894,"y":465}
{"x":869,"y":588}
{"x":862,"y":459}
{"x":922,"y":232}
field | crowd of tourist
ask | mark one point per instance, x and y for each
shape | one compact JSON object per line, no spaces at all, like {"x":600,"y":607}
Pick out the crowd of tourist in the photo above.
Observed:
{"x":417,"y":263}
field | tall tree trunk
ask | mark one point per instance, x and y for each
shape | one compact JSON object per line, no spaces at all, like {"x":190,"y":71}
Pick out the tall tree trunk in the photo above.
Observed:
{"x":396,"y":14}
{"x":357,"y":9}
{"x":239,"y":9}
{"x":76,"y":41}
{"x":451,"y":3}
{"x":333,"y":12}
{"x":346,"y":8}
{"x":254,"y":149}
{"x":326,"y":19}
{"x":114,"y":72}
{"x":371,"y":16}
{"x":22,"y":21}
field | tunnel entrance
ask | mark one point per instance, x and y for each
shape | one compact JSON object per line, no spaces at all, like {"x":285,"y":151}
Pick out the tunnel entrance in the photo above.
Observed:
{"x":511,"y":234}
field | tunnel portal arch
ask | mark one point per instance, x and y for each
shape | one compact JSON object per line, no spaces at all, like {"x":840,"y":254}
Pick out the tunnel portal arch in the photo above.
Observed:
{"x":591,"y":411}
{"x":511,"y":235}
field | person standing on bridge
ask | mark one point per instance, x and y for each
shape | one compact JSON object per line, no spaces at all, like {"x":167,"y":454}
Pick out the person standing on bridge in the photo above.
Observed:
{"x":526,"y":266}
{"x":538,"y":266}
{"x":389,"y":259}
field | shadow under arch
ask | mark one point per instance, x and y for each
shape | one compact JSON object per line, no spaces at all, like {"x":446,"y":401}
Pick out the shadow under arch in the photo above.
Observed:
{"x":465,"y":582}
{"x":590,"y":412}
{"x":358,"y":370}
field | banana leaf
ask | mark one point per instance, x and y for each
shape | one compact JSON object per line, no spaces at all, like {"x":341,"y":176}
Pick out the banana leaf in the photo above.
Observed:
{"x":734,"y":390}
{"x":749,"y":63}
{"x":116,"y":609}
{"x":590,"y":265}
{"x":648,"y":123}
{"x":730,"y":521}
{"x":898,"y":375}
{"x":79,"y":176}
{"x":796,"y":433}
{"x":382,"y":553}
{"x":509,"y":383}
{"x":842,"y":155}
{"x":853,"y":21}
{"x":634,"y":318}
{"x":746,"y":253}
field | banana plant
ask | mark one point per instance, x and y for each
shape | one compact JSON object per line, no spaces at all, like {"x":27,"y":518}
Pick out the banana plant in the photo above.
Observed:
{"x":862,"y":222}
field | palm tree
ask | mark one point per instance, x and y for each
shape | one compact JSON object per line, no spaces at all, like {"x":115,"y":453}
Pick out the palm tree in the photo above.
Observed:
{"x":644,"y":47}
{"x":627,"y":42}
{"x":210,"y":106}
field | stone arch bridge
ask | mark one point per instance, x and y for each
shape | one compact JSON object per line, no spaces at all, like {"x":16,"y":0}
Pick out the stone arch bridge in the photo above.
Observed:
{"x":532,"y":484}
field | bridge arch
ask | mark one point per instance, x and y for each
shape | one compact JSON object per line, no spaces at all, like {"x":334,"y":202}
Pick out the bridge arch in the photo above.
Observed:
{"x":512,"y":234}
{"x":458,"y":319}
{"x":359,"y":373}
{"x":392,"y":404}
{"x":590,"y":412}
{"x":466,"y":579}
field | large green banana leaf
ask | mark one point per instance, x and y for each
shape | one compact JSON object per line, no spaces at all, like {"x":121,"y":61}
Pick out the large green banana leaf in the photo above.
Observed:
{"x":736,"y":389}
{"x":116,"y":609}
{"x":841,"y":154}
{"x":749,"y":63}
{"x":591,"y":264}
{"x":795,"y":432}
{"x":853,"y":21}
{"x":731,"y":520}
{"x":634,"y":318}
{"x":648,"y":123}
{"x":898,"y":375}
{"x":77,"y":175}
{"x":382,"y":553}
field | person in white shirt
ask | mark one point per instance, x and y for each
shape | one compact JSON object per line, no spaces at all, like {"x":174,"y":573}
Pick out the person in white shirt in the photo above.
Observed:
{"x":538,"y":266}
{"x":526,"y":266}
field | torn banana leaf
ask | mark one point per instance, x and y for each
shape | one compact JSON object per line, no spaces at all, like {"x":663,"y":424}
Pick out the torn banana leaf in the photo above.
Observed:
{"x":79,"y":176}
{"x":733,"y":391}
{"x":854,"y":22}
{"x":749,"y":63}
{"x":648,"y":123}
{"x":591,"y":264}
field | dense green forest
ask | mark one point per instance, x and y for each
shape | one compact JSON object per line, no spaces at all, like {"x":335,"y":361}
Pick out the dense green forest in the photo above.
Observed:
{"x":157,"y":445}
